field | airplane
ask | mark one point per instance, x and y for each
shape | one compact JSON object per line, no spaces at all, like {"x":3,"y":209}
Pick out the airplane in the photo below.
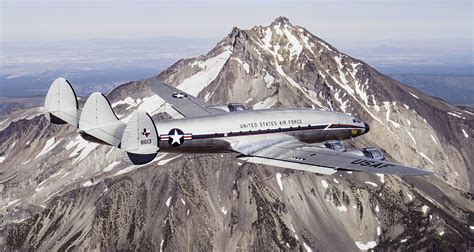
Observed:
{"x":294,"y":138}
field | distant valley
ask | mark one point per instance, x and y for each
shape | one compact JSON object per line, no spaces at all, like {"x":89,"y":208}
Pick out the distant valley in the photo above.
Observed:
{"x":103,"y":64}
{"x":456,"y":89}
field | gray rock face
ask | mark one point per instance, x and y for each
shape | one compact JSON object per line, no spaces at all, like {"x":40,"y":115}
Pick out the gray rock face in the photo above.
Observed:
{"x":60,"y":192}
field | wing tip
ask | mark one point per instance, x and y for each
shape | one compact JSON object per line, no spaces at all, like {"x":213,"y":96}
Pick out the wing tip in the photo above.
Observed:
{"x":422,"y":172}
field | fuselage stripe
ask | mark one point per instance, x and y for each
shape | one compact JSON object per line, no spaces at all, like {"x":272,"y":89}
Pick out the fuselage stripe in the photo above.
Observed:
{"x":265,"y":131}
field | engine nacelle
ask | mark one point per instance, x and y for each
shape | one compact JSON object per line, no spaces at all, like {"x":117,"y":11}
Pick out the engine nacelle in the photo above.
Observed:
{"x":371,"y":152}
{"x":335,"y":145}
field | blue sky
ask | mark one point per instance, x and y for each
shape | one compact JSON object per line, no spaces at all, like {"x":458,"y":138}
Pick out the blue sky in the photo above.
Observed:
{"x":366,"y":20}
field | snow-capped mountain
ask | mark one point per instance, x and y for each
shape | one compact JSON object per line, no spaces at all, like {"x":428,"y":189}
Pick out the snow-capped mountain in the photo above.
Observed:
{"x":285,"y":65}
{"x":61,"y":192}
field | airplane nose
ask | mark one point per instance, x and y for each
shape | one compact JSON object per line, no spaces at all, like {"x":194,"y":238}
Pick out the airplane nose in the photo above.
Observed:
{"x":367,"y":128}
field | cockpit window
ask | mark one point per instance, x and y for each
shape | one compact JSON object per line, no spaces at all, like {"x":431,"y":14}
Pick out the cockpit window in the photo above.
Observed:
{"x":338,"y":147}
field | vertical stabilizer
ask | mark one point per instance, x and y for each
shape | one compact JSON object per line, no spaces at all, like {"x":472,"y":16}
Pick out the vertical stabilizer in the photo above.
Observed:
{"x":61,"y":103}
{"x":98,"y":122}
{"x":140,"y":138}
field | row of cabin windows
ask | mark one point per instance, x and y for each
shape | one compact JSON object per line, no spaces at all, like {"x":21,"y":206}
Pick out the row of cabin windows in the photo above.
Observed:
{"x":260,"y":130}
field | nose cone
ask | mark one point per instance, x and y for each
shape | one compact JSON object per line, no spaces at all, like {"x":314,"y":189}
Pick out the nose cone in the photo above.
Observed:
{"x":367,"y":128}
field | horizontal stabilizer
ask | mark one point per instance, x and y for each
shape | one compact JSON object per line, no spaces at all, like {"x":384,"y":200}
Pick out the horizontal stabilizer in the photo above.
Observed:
{"x":98,"y":122}
{"x":140,"y":138}
{"x":61,"y":103}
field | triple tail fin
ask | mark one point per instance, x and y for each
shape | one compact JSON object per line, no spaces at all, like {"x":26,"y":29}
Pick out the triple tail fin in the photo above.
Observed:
{"x":98,"y":122}
{"x":61,"y":103}
{"x":140,"y":138}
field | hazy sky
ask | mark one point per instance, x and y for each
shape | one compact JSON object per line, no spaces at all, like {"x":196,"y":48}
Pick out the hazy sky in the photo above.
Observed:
{"x":370,"y":20}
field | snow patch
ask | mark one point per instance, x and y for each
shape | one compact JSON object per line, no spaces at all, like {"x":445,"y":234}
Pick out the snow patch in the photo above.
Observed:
{"x":425,"y":157}
{"x":134,"y":167}
{"x":382,"y":177}
{"x":280,"y":184}
{"x":465,"y":133}
{"x":306,"y":247}
{"x":2,"y":158}
{"x":40,"y":185}
{"x":165,"y":161}
{"x":152,"y":105}
{"x":168,"y":201}
{"x":414,"y":95}
{"x":455,"y":115}
{"x":244,"y":64}
{"x":336,"y":181}
{"x":342,"y":76}
{"x":434,"y":140}
{"x":10,"y":203}
{"x":209,"y":71}
{"x":129,"y":101}
{"x":224,"y":210}
{"x":410,"y":197}
{"x":441,"y":233}
{"x":111,"y":166}
{"x":366,"y":246}
{"x":246,"y":67}
{"x":404,"y":240}
{"x":184,"y":202}
{"x":296,"y":46}
{"x":378,"y":231}
{"x":267,"y":103}
{"x":50,"y":144}
{"x":109,"y":152}
{"x":424,"y":209}
{"x":377,"y":208}
{"x":324,"y":183}
{"x":342,"y":208}
{"x":87,"y":183}
{"x":269,"y":79}
{"x":411,"y":136}
{"x":83,"y":146}
{"x":371,"y":183}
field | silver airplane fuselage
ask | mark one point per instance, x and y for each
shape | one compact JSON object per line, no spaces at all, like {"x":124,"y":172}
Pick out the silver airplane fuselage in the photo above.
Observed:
{"x":215,"y":133}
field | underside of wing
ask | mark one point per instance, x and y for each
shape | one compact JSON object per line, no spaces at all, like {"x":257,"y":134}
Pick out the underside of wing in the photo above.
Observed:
{"x":186,"y":104}
{"x":293,"y":154}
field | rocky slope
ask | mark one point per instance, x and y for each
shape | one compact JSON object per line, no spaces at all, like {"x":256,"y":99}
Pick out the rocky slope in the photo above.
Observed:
{"x":60,"y":192}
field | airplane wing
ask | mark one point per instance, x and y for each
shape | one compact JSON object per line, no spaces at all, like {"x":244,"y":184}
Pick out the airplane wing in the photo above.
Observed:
{"x":185,"y":104}
{"x":292,"y":154}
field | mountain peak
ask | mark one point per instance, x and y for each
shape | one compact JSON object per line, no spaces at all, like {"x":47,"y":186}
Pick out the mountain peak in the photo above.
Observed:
{"x":281,"y":20}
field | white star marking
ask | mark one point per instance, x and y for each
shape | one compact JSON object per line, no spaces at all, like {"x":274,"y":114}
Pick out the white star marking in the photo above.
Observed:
{"x":176,"y":137}
{"x":179,"y":95}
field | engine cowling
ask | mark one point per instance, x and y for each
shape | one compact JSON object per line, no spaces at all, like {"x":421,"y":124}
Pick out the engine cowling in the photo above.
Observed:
{"x":370,"y":152}
{"x":335,"y":145}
